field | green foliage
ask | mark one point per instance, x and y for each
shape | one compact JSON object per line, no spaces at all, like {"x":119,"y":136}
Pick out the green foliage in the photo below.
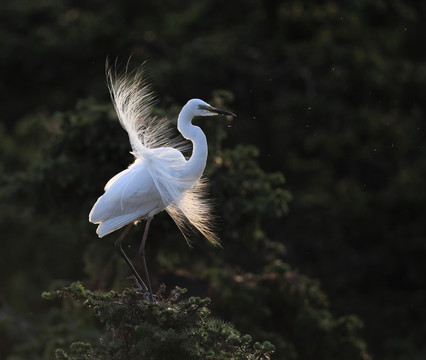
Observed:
{"x":295,"y":314}
{"x":165,"y":329}
{"x":80,"y":140}
{"x":329,"y":93}
{"x":247,"y":187}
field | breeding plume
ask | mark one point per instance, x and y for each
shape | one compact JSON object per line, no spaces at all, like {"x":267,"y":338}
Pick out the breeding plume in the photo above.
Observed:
{"x":160,"y":178}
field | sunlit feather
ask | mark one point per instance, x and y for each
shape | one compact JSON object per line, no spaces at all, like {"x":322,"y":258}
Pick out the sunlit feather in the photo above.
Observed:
{"x":133,"y":102}
{"x":160,"y":178}
{"x":152,"y":141}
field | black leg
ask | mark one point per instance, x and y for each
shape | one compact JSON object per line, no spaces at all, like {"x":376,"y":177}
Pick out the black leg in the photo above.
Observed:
{"x":142,"y":255}
{"x":126,"y":259}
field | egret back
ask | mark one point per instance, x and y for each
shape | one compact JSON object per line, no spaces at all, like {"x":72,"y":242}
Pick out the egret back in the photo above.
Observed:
{"x":133,"y":101}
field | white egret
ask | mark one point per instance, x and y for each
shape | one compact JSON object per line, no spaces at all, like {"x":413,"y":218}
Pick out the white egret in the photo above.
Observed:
{"x":160,"y":178}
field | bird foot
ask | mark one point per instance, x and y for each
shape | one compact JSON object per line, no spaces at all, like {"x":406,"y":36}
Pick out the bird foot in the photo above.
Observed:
{"x":146,"y":294}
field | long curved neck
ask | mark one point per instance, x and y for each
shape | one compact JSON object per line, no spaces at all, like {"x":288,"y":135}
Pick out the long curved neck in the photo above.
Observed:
{"x":197,"y":162}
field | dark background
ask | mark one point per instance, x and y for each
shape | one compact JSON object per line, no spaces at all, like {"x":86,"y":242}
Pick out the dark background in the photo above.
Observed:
{"x":328,"y":93}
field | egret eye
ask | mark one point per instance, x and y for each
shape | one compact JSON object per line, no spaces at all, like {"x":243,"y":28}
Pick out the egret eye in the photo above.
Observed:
{"x":204,"y":107}
{"x":215,"y":111}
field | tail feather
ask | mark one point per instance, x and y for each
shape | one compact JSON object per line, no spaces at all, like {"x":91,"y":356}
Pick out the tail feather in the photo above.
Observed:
{"x":185,"y":199}
{"x":194,"y":211}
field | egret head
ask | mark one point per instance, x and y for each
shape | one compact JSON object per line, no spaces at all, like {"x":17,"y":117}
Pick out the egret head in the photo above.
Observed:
{"x":201,"y":108}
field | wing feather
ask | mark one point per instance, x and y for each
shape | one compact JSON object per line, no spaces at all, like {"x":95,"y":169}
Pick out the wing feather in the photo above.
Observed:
{"x":133,"y":101}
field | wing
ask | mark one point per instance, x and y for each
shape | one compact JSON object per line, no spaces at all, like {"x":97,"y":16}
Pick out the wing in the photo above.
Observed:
{"x":149,"y":186}
{"x":115,"y":178}
{"x":130,"y":196}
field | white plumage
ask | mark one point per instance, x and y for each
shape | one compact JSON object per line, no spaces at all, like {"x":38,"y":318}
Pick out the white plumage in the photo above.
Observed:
{"x":160,"y":178}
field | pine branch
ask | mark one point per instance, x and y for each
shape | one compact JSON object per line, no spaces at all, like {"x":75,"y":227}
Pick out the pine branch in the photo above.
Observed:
{"x":170,"y":328}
